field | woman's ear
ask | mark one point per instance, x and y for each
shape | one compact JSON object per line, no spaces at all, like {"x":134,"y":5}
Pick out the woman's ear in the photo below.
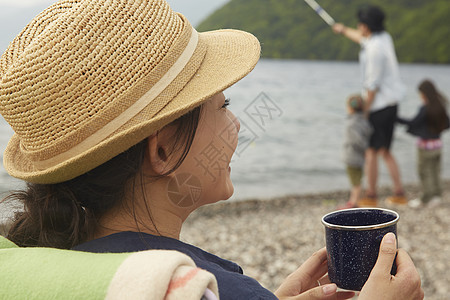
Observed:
{"x":157,"y":153}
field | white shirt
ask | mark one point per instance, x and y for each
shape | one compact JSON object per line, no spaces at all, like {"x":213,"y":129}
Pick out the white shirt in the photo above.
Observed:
{"x":380,"y":71}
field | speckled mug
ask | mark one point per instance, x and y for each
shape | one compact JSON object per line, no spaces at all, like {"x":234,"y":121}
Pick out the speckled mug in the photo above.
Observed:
{"x":353,"y":238}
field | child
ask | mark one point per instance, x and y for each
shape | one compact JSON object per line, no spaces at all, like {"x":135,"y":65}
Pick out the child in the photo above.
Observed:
{"x":357,"y":134}
{"x":427,"y":125}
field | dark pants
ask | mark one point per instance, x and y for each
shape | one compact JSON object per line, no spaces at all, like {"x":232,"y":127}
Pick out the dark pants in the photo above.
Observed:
{"x":382,"y":122}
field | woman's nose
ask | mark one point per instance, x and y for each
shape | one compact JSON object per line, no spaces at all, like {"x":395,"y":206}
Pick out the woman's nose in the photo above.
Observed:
{"x":235,"y":121}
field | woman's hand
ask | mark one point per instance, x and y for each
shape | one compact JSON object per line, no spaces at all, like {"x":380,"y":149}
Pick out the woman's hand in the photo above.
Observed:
{"x":304,"y":282}
{"x":381,"y":284}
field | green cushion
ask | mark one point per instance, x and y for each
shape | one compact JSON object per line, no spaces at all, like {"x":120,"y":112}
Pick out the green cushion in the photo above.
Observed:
{"x":48,"y":273}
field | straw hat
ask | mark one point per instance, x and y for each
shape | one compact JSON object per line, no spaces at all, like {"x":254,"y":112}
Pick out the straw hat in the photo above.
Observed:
{"x":88,"y":79}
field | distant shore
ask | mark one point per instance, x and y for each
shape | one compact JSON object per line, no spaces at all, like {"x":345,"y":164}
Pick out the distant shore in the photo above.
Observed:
{"x":269,"y":239}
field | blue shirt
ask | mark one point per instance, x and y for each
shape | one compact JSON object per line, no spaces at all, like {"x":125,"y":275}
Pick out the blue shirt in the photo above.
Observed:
{"x":231,"y":281}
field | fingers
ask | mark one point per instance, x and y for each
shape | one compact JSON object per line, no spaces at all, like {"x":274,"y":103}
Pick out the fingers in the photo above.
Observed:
{"x":306,"y":276}
{"x":404,"y":262}
{"x":312,"y":269}
{"x":407,"y":272}
{"x":324,"y":280}
{"x":325,"y":292}
{"x":316,"y":264}
{"x":303,"y":283}
{"x":386,"y":256}
{"x":321,"y":292}
{"x":405,"y":284}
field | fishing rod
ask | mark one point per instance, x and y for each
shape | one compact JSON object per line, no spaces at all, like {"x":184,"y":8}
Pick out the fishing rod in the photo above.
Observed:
{"x":321,"y":12}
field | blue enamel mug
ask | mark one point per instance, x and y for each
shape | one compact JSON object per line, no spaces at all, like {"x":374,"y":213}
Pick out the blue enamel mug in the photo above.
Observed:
{"x":353,"y":238}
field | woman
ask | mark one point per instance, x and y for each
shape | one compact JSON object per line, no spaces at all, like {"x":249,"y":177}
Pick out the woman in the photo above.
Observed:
{"x":122,"y":130}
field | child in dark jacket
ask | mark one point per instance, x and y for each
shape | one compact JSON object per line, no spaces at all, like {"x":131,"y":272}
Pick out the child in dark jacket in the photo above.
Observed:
{"x":428,"y":125}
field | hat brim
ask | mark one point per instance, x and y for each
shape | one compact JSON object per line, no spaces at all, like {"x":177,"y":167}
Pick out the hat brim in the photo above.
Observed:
{"x":230,"y":55}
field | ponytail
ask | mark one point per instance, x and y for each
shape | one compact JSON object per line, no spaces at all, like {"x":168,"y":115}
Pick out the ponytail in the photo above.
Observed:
{"x":65,"y":214}
{"x":51,"y":217}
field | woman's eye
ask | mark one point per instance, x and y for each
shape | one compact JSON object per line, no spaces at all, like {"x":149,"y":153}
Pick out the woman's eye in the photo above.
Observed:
{"x":226,"y":103}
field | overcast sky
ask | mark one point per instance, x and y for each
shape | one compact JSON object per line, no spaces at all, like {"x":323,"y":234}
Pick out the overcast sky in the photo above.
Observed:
{"x":15,"y":14}
{"x":23,"y":3}
{"x":192,"y":7}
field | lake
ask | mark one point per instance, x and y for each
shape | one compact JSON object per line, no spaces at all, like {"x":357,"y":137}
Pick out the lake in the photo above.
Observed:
{"x":292,"y":115}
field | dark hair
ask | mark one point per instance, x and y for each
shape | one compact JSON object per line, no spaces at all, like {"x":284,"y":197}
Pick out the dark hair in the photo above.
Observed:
{"x":436,"y":115}
{"x":373,"y":17}
{"x":66,"y":214}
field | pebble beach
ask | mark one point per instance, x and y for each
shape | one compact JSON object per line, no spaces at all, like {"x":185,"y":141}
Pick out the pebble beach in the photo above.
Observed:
{"x":270,"y":238}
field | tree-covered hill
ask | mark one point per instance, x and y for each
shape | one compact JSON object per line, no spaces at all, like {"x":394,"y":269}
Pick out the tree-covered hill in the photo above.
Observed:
{"x":291,"y":29}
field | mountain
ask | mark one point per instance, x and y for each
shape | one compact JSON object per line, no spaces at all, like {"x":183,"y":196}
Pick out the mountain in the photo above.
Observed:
{"x":291,"y":29}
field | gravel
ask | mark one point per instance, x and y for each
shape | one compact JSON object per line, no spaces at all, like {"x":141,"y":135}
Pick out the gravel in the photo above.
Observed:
{"x":270,"y":238}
